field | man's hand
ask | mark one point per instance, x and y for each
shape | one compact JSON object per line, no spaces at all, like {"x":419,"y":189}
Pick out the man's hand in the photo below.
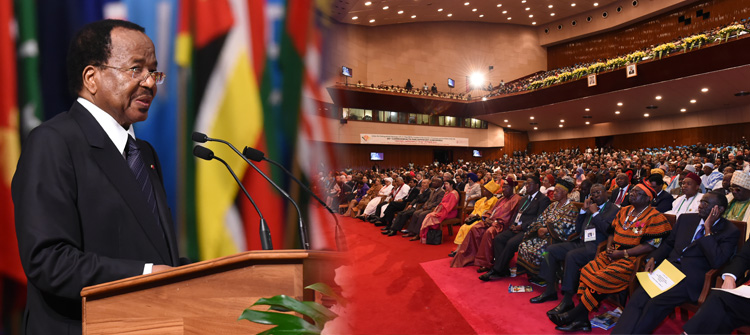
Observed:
{"x":712,"y":217}
{"x":650,"y":265}
{"x":515,"y":228}
{"x":729,"y":283}
{"x":160,"y":268}
{"x":542,"y":232}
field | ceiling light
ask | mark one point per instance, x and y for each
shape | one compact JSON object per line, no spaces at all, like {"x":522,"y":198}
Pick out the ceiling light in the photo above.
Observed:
{"x":560,"y":126}
{"x":385,"y":7}
{"x":619,"y":103}
{"x":533,"y":22}
{"x":506,"y":120}
{"x":449,"y":14}
{"x":508,"y":126}
{"x":658,"y":97}
{"x":683,"y":110}
{"x":704,"y":90}
{"x":508,"y":17}
{"x":617,"y":112}
{"x":368,"y":3}
{"x":355,"y":17}
{"x":573,"y":4}
{"x":481,"y":15}
{"x":528,"y":8}
{"x":587,"y":109}
{"x":551,"y":14}
{"x":499,"y":5}
{"x":645,"y":115}
{"x":474,"y":10}
{"x":562,"y":121}
{"x":372,"y":20}
{"x":523,"y":1}
{"x":692,"y":101}
{"x":531,"y":117}
{"x":466,"y":3}
{"x":440,"y":9}
{"x":550,"y":6}
{"x":596,"y":4}
{"x":535,"y":128}
{"x":505,"y":12}
{"x":531,"y":15}
{"x":587,"y":122}
{"x":400,"y":12}
{"x":413,"y":16}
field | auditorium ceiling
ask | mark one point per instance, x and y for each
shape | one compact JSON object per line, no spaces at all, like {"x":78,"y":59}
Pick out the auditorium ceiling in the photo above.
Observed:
{"x":522,"y":12}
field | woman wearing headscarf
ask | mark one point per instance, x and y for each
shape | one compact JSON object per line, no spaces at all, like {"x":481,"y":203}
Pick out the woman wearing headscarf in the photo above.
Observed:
{"x":481,"y":207}
{"x":473,"y":190}
{"x":556,"y":224}
{"x":445,"y":210}
{"x":548,"y":186}
{"x":637,"y":229}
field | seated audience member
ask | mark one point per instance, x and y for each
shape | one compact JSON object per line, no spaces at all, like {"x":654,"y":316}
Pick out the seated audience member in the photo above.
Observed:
{"x":593,"y":222}
{"x":638,"y":229}
{"x":384,"y":192}
{"x":555,"y":225}
{"x":698,"y":243}
{"x":360,"y":190}
{"x":726,"y":184}
{"x":445,"y":210}
{"x":335,"y":191}
{"x":690,"y":199}
{"x":403,"y":217}
{"x":371,"y":194}
{"x":473,"y":189}
{"x":740,"y":197}
{"x":580,"y":192}
{"x":435,"y":198}
{"x":548,"y":186}
{"x":505,"y":244}
{"x":620,"y":193}
{"x":398,"y":204}
{"x":476,"y":249}
{"x":723,"y":312}
{"x":663,"y":200}
{"x":482,"y":206}
{"x":711,"y":176}
{"x":399,"y":192}
{"x":460,"y":184}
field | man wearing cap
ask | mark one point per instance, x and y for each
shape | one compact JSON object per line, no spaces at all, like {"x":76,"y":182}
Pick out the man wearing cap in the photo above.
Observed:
{"x":690,"y":199}
{"x":620,"y":193}
{"x":480,"y":236}
{"x":593,"y":222}
{"x":699,"y":242}
{"x":740,"y":188}
{"x":711,"y":176}
{"x":505,"y":244}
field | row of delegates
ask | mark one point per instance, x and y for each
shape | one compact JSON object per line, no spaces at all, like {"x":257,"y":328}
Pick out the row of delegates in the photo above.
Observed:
{"x":555,"y":225}
{"x":384,"y":192}
{"x":480,"y":213}
{"x":398,"y":194}
{"x":637,"y":229}
{"x":435,"y":199}
{"x":445,"y":210}
{"x":477,"y":246}
{"x":504,"y":245}
{"x":399,"y":202}
{"x":355,"y":208}
{"x":421,"y":201}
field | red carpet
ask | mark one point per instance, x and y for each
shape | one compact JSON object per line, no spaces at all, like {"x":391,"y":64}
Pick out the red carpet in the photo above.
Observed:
{"x":402,"y":287}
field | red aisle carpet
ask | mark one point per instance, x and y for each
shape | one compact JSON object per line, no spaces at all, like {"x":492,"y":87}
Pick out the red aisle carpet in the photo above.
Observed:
{"x":403,"y":287}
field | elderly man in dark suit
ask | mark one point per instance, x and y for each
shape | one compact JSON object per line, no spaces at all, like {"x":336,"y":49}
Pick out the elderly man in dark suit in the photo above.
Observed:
{"x":593,"y":222}
{"x":505,"y":244}
{"x":436,"y":196}
{"x":698,"y":243}
{"x":89,"y":200}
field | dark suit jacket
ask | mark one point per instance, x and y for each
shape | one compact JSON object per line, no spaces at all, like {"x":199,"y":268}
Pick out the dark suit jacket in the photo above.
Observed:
{"x":740,"y":264}
{"x":421,"y":198}
{"x":81,"y":219}
{"x":616,"y":192}
{"x":601,"y":222}
{"x":533,"y":209}
{"x":706,"y":253}
{"x":663,"y":202}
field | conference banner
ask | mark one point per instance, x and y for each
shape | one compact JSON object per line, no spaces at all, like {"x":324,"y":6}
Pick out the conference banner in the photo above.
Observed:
{"x":413,"y":140}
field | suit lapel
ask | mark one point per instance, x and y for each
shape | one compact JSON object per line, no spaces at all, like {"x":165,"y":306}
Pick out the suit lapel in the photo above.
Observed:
{"x":161,"y":199}
{"x":113,"y":166}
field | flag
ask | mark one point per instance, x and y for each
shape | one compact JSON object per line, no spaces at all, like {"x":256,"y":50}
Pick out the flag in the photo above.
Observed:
{"x":30,"y":88}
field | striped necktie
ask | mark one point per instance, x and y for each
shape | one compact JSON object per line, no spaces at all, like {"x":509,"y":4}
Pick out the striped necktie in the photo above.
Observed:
{"x":135,"y":161}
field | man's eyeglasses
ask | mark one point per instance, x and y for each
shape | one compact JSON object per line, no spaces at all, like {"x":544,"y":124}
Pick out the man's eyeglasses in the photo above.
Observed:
{"x":138,"y":73}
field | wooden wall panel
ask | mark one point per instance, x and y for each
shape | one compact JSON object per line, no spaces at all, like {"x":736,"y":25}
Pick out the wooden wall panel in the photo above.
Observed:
{"x":659,"y":29}
{"x":556,"y":145}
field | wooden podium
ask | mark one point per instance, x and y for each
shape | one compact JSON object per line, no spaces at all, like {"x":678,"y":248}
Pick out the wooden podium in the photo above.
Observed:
{"x":206,"y":297}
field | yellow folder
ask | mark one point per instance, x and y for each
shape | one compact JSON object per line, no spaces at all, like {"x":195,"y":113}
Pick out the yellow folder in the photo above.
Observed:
{"x":664,"y":277}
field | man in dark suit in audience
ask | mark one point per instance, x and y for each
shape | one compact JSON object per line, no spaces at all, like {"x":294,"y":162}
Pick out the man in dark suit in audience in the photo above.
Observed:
{"x":663,"y":200}
{"x":402,"y":218}
{"x":620,"y":193}
{"x":399,"y":205}
{"x":506,"y":243}
{"x":592,"y":223}
{"x":723,"y":312}
{"x":698,"y":243}
{"x":435,"y":198}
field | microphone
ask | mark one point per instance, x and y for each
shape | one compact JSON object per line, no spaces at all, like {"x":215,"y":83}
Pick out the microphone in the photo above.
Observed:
{"x":265,"y":233}
{"x":257,"y":155}
{"x":200,"y":137}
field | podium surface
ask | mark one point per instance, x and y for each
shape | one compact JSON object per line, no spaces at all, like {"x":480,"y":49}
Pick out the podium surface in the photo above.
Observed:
{"x":205,"y":297}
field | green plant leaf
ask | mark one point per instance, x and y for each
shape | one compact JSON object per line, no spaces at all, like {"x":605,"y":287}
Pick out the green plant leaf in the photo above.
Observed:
{"x":286,"y":323}
{"x":326,"y":290}
{"x":309,"y":309}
